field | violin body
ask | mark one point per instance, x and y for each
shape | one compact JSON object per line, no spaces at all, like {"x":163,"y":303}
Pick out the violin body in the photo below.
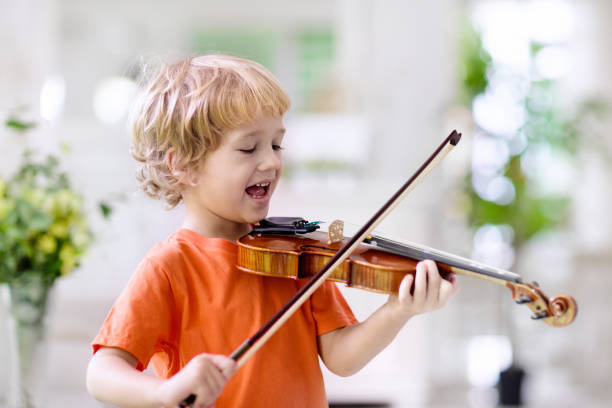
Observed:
{"x":302,"y":256}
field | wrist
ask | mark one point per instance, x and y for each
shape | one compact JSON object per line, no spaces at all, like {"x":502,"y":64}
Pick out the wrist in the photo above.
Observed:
{"x":395,"y":314}
{"x":162,"y":394}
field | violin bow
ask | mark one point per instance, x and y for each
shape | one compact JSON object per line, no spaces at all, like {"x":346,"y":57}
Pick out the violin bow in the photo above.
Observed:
{"x":257,"y":340}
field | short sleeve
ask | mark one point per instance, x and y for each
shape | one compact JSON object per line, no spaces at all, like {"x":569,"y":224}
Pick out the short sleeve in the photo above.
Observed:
{"x":140,"y":320}
{"x":330,"y":310}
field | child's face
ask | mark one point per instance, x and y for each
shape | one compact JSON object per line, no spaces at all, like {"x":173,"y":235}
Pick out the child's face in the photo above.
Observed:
{"x":237,"y":180}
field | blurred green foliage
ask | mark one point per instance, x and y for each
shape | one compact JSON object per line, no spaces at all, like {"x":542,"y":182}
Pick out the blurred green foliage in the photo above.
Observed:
{"x":43,"y":227}
{"x":549,"y":123}
{"x":474,"y":61}
{"x":528,"y":214}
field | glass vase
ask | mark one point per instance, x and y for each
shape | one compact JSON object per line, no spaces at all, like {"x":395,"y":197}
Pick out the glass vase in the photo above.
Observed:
{"x":26,"y":300}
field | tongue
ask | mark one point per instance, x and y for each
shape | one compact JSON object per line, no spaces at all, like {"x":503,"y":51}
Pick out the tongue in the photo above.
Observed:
{"x":256,"y":191}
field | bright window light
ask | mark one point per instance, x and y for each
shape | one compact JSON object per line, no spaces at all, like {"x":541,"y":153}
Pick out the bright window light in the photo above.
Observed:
{"x":52,"y":98}
{"x":517,"y":143}
{"x":500,"y":190}
{"x":498,"y":113}
{"x":552,"y":170}
{"x":553,"y":62}
{"x":493,"y":246}
{"x":112,"y":99}
{"x":549,"y":21}
{"x":504,"y":37}
{"x":487,"y":356}
{"x":496,"y":189}
{"x":489,"y":154}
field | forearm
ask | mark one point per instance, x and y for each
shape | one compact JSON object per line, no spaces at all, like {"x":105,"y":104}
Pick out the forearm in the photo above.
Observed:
{"x":347,"y":350}
{"x":112,"y":380}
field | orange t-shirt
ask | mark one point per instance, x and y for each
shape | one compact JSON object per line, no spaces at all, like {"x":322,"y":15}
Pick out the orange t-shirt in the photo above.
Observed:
{"x":187,"y":297}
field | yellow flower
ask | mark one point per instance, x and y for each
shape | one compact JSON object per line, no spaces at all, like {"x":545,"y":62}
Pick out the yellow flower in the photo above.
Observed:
{"x":34,"y":196}
{"x":48,"y":204}
{"x":46,"y":244}
{"x":80,"y":238}
{"x":64,"y":203}
{"x":68,"y":256}
{"x":59,"y":229}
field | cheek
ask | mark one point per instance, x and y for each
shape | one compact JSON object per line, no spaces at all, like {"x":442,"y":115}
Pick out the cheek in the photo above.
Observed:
{"x":281,"y":164}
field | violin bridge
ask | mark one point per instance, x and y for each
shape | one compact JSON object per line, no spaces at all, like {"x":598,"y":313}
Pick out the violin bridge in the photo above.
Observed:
{"x":335,"y":232}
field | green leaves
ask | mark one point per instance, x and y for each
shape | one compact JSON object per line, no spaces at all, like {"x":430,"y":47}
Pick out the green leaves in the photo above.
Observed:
{"x":19,"y":125}
{"x":105,"y":209}
{"x":528,"y":214}
{"x":475,"y":61}
{"x":46,"y":171}
{"x":43,"y":228}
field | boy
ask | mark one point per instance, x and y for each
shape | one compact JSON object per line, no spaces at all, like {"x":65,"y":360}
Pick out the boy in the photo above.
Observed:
{"x":208,"y":131}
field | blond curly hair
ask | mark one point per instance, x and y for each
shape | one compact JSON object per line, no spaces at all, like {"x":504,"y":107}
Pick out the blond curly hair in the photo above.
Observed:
{"x":187,"y":107}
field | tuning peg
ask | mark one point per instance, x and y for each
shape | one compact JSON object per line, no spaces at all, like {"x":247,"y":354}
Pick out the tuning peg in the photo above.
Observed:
{"x":521,"y":300}
{"x":539,"y":315}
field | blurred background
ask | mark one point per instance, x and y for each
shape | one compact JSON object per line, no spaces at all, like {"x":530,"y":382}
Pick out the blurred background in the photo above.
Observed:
{"x":375,"y":87}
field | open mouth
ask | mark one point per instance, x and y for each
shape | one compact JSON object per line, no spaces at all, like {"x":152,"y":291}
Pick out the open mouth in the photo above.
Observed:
{"x":259,"y":190}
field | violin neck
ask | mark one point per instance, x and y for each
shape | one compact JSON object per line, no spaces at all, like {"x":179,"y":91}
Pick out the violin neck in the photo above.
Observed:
{"x":453,"y":263}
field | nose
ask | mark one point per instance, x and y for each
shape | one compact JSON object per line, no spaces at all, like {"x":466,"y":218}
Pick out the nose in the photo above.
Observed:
{"x":271,"y":160}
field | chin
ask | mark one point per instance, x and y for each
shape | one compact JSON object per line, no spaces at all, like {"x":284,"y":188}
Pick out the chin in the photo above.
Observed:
{"x":257,"y":216}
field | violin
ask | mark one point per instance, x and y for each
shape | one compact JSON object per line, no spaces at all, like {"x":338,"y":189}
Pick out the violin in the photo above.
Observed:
{"x":291,"y":247}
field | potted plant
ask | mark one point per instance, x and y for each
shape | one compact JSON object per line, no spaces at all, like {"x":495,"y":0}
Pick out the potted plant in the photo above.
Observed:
{"x":44,"y":234}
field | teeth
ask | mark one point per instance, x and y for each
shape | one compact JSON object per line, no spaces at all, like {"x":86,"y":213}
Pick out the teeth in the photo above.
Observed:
{"x":264,"y":186}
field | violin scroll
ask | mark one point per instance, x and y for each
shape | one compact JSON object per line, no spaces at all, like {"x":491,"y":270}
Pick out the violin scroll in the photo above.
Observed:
{"x":558,"y":311}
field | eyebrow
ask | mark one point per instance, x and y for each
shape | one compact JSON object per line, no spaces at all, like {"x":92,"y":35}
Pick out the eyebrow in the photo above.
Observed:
{"x":281,"y":131}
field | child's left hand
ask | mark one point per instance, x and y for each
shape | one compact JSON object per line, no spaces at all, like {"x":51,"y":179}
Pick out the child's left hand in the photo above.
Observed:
{"x":430,"y":292}
{"x":346,"y":350}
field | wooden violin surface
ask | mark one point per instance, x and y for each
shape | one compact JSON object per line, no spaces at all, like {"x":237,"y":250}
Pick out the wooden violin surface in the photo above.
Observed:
{"x":302,"y":256}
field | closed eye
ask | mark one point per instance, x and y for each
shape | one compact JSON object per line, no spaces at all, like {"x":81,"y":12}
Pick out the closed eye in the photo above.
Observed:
{"x":277,"y":147}
{"x":247,"y":150}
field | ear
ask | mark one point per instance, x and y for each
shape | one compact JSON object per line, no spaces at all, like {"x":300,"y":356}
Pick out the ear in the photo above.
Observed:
{"x":191,"y":177}
{"x":185,"y":176}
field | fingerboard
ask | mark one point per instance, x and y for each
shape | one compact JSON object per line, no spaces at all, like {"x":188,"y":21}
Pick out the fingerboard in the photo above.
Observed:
{"x":420,"y":253}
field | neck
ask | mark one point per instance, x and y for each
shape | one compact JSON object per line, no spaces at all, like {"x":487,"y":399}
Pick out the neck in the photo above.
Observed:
{"x":213,"y":225}
{"x":229,"y":231}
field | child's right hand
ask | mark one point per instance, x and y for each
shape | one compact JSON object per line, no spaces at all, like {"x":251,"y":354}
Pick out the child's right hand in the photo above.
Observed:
{"x":204,"y":376}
